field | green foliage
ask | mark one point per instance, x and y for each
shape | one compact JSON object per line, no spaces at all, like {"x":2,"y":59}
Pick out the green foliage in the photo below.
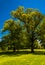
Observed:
{"x":37,"y":45}
{"x":33,"y":24}
{"x":14,"y":32}
{"x":32,"y":19}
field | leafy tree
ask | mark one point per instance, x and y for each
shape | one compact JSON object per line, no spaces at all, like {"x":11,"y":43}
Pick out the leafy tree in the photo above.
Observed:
{"x":14,"y":29}
{"x":31,"y":19}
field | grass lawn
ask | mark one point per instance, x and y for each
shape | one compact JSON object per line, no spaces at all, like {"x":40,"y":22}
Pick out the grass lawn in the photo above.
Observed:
{"x":23,"y":58}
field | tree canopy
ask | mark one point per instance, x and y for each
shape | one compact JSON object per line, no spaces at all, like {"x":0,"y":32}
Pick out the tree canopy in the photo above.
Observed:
{"x":27,"y":20}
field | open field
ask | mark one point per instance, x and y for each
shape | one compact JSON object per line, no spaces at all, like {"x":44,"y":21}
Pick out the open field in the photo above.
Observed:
{"x":23,"y":58}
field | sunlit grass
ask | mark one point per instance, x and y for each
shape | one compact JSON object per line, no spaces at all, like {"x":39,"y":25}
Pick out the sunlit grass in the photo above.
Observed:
{"x":23,"y":58}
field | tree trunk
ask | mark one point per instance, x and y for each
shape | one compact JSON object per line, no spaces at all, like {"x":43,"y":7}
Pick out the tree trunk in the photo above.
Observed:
{"x":32,"y":43}
{"x":32,"y":47}
{"x":14,"y":49}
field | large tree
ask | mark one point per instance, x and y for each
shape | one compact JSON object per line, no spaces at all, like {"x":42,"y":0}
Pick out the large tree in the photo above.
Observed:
{"x":31,"y":19}
{"x":28,"y":20}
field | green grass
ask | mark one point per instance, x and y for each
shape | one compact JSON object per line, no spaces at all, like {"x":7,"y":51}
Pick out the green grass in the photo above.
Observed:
{"x":23,"y":58}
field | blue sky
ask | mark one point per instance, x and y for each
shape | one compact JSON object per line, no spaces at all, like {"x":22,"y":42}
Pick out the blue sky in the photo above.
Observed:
{"x":6,"y":6}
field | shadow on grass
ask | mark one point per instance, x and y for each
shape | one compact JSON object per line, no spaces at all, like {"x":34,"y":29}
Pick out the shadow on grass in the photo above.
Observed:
{"x":39,"y":53}
{"x":18,"y":53}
